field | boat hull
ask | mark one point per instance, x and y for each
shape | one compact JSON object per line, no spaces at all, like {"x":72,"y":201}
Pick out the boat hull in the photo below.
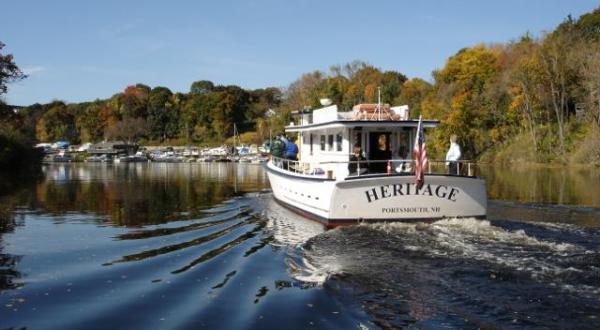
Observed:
{"x":376,"y":198}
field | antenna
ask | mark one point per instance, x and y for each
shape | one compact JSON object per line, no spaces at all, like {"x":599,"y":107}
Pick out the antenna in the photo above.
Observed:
{"x":379,"y":103}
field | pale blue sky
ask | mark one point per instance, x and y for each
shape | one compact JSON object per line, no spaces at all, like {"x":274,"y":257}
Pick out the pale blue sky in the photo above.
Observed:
{"x":82,"y":50}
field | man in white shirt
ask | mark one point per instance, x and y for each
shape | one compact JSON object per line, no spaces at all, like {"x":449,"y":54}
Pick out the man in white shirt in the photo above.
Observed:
{"x":452,"y":156}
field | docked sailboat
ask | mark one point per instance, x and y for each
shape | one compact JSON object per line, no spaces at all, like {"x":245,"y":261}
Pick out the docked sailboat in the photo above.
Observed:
{"x":357,"y":166}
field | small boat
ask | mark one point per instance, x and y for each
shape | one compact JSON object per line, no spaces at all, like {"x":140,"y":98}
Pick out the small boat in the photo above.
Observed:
{"x":139,"y":157}
{"x":243,"y":150}
{"x":166,"y":157}
{"x":104,"y":158}
{"x":325,"y":185}
{"x":60,"y":157}
{"x":219,"y":151}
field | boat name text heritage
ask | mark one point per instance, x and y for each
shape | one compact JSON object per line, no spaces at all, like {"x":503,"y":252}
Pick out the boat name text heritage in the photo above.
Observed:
{"x":393,"y":190}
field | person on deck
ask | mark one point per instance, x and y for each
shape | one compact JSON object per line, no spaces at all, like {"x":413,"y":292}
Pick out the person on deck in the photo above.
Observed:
{"x":277,"y":150}
{"x":355,"y":168}
{"x":452,"y":156}
{"x":291,"y":150}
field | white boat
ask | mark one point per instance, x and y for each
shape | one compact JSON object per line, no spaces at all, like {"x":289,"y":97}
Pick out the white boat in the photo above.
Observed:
{"x":60,"y":157}
{"x":219,"y":151}
{"x":382,"y":187}
{"x":104,"y":158}
{"x":84,"y":147}
{"x":139,"y":157}
{"x":243,"y":150}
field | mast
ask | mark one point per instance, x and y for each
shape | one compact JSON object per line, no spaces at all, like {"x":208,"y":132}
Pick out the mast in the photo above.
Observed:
{"x":379,"y":103}
{"x":235,"y":133}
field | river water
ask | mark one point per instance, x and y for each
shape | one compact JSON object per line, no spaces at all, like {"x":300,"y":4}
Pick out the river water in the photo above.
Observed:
{"x":180,"y":246}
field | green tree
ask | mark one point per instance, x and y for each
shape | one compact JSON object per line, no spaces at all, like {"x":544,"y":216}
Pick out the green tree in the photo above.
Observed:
{"x":130,"y":130}
{"x":589,"y":25}
{"x":460,"y":100}
{"x":413,"y":93}
{"x":9,"y":71}
{"x":391,"y":85}
{"x":201,"y":87}
{"x":57,"y":123}
{"x":525,"y":80}
{"x":159,"y":113}
{"x":134,"y":101}
{"x":91,"y":122}
{"x":230,"y":108}
{"x":559,"y":68}
{"x":590,"y":73}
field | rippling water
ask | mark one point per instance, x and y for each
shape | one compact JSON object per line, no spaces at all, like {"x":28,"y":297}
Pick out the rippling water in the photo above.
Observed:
{"x":204,"y":245}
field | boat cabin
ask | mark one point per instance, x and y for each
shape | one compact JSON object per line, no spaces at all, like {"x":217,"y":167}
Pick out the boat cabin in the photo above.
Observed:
{"x":328,"y":139}
{"x":112,"y":148}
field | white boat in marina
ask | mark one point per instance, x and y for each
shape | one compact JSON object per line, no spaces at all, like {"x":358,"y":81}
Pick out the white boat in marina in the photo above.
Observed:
{"x":219,"y":151}
{"x":138,"y":157}
{"x":60,"y":157}
{"x":243,"y":150}
{"x":382,"y":186}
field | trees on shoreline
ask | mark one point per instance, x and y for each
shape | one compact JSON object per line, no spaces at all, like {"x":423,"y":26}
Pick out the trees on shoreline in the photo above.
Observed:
{"x":546,"y":89}
{"x":16,"y":150}
{"x":205,"y":115}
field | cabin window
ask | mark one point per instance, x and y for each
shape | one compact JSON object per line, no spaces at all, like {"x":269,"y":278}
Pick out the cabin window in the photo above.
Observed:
{"x":338,"y":142}
{"x":330,"y":142}
{"x":358,"y":139}
{"x":322,"y":142}
{"x":310,"y":142}
{"x":404,"y":149}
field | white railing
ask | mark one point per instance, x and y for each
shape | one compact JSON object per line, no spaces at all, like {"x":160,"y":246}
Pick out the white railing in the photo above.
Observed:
{"x":376,"y":167}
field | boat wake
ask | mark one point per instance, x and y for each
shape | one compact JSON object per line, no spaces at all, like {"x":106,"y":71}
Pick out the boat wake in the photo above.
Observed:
{"x":290,"y":232}
{"x":464,"y":272}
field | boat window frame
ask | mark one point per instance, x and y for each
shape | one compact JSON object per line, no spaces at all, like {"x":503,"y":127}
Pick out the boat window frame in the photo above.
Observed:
{"x":403,"y":141}
{"x":322,"y":142}
{"x":357,"y":136}
{"x":339,"y":140}
{"x":330,"y":142}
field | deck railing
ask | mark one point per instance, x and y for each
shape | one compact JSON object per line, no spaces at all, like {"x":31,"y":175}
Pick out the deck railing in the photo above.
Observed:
{"x":377,"y":167}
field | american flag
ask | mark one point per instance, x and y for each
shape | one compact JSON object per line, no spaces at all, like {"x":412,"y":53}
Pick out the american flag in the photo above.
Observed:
{"x":420,"y":155}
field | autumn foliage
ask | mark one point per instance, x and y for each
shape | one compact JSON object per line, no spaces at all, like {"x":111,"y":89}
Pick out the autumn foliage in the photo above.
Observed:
{"x":544,"y":90}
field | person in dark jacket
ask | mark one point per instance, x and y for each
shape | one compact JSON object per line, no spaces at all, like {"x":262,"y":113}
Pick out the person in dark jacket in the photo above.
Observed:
{"x":354,"y":167}
{"x":277,"y":147}
{"x":277,"y":150}
{"x":291,"y":150}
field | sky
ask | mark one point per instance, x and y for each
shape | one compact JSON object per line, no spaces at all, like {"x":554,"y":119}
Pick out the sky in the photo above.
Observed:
{"x":79,"y":51}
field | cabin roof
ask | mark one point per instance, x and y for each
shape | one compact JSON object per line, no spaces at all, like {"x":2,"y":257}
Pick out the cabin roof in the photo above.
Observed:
{"x":361,"y":123}
{"x":371,"y":115}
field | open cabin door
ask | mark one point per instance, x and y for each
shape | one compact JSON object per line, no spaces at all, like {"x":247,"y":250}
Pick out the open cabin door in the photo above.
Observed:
{"x":380,"y":149}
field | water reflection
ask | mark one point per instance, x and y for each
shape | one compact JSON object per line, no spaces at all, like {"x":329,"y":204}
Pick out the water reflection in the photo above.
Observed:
{"x":200,"y":245}
{"x":9,"y":275}
{"x":544,"y":185}
{"x":141,"y":194}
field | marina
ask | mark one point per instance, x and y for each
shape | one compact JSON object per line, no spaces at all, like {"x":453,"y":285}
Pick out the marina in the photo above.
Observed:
{"x":119,"y":152}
